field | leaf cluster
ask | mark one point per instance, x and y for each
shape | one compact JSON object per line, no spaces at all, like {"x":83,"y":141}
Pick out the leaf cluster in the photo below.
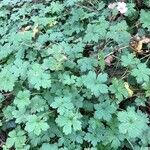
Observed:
{"x":56,"y":90}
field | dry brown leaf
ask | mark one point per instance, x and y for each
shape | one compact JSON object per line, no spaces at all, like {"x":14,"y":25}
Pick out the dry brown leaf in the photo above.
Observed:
{"x":136,"y":43}
{"x":108,"y":60}
{"x":146,"y":40}
{"x":27,"y":28}
{"x":130,"y":92}
{"x":35,"y":30}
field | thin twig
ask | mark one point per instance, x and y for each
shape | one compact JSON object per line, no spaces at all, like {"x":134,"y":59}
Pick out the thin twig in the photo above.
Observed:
{"x":123,"y":47}
{"x":123,"y":76}
{"x":147,"y":60}
{"x":130,"y":144}
{"x":93,"y":5}
{"x":117,"y":50}
{"x":87,"y":8}
{"x":145,"y":57}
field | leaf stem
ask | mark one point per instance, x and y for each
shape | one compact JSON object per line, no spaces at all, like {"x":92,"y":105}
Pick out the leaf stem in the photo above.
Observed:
{"x":130,"y":143}
{"x":87,"y":8}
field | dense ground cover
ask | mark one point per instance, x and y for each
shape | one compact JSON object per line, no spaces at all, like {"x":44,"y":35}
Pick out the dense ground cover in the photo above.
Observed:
{"x":74,"y":74}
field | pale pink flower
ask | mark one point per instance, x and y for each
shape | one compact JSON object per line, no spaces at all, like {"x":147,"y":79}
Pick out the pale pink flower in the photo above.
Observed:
{"x":122,"y":7}
{"x":112,"y":5}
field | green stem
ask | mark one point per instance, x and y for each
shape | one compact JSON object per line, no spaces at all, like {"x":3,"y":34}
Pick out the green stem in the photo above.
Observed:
{"x":130,"y":143}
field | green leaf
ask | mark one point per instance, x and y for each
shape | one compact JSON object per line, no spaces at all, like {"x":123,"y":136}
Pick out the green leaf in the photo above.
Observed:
{"x":141,"y":73}
{"x":16,"y":138}
{"x":5,"y":51}
{"x":94,"y":136}
{"x":102,"y":60}
{"x":19,"y":68}
{"x":101,"y":5}
{"x":67,"y":79}
{"x":20,"y":115}
{"x":7,"y":80}
{"x":69,"y":121}
{"x":70,"y":2}
{"x":47,"y":146}
{"x":140,"y":101}
{"x":22,"y":99}
{"x":79,"y":14}
{"x":7,"y":112}
{"x":97,"y":31}
{"x":2,"y":98}
{"x":36,"y":124}
{"x":87,"y":64}
{"x":131,"y":13}
{"x":38,"y":104}
{"x":147,"y":3}
{"x":23,"y":37}
{"x":113,"y":137}
{"x":145,"y":19}
{"x":38,"y":77}
{"x":63,"y":104}
{"x":146,"y":86}
{"x":96,"y":83}
{"x":52,"y":64}
{"x":132,"y":123}
{"x":44,"y":20}
{"x":56,"y":7}
{"x":118,"y":88}
{"x":129,"y":60}
{"x":118,"y":33}
{"x":104,"y":110}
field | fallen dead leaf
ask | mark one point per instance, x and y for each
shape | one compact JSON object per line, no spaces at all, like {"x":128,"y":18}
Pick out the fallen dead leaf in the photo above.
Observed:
{"x":108,"y":60}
